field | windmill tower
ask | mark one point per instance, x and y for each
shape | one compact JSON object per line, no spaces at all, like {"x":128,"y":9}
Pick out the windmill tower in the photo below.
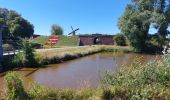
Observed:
{"x":73,"y":32}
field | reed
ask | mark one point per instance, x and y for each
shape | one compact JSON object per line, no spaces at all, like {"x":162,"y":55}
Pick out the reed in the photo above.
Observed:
{"x":51,"y":56}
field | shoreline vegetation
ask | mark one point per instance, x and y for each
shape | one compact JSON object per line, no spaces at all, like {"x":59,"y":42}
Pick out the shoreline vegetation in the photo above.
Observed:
{"x":53,"y":56}
{"x":44,"y":57}
{"x":134,"y":82}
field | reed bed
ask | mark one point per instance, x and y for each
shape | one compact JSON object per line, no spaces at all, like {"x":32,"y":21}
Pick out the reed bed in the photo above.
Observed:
{"x":58,"y":55}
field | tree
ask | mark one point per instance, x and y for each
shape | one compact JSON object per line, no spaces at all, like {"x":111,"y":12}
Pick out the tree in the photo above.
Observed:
{"x":17,"y":25}
{"x":139,"y":16}
{"x":162,"y":17}
{"x":135,"y":24}
{"x":56,"y":30}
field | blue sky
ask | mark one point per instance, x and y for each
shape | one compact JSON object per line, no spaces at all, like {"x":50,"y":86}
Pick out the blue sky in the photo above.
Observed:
{"x":91,"y":16}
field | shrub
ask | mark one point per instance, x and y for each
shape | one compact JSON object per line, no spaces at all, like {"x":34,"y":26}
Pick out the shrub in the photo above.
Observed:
{"x":140,"y":81}
{"x":84,"y":94}
{"x":38,"y":58}
{"x":41,"y":93}
{"x":15,"y":87}
{"x":120,"y":40}
{"x":38,"y":92}
{"x":28,"y":53}
{"x":19,"y":59}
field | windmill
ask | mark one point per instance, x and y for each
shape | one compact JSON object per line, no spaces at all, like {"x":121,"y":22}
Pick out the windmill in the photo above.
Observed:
{"x":73,"y":31}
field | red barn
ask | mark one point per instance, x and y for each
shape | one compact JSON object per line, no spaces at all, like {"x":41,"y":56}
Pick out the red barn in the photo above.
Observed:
{"x":96,"y":39}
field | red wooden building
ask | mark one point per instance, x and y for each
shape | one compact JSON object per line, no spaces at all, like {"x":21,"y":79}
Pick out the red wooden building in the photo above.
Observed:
{"x":96,"y":39}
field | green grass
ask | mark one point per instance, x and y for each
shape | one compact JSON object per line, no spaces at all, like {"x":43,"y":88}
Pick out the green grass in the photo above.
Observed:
{"x":67,"y":41}
{"x":63,"y":40}
{"x":41,"y":39}
{"x":51,"y":56}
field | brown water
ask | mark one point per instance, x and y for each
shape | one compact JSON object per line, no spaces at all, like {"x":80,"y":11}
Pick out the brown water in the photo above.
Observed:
{"x":82,"y":72}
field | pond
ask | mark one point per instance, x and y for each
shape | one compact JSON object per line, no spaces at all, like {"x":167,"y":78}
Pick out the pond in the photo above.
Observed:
{"x":78,"y":73}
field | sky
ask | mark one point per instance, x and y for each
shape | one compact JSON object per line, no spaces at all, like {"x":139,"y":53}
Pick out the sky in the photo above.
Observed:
{"x":91,"y":16}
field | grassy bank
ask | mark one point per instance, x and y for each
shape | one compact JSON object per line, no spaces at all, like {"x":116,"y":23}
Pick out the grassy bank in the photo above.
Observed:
{"x":50,"y":56}
{"x":150,"y":81}
{"x":54,"y":55}
{"x":63,"y":40}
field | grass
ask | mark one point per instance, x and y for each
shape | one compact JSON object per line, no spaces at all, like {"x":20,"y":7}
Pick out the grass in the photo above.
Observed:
{"x":41,"y":40}
{"x":67,"y":41}
{"x":149,"y":81}
{"x":63,"y":40}
{"x":51,"y":56}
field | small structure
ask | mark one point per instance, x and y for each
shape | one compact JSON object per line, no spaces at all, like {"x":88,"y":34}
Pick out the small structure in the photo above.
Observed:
{"x":73,"y":33}
{"x":96,"y":39}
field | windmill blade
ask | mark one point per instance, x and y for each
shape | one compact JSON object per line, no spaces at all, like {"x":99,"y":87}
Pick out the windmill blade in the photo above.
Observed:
{"x":73,"y":31}
{"x":70,"y":33}
{"x":72,"y":28}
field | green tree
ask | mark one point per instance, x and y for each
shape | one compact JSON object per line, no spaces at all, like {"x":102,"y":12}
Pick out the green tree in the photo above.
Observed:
{"x":161,"y":17}
{"x":135,"y":25}
{"x":17,"y":25}
{"x":139,"y":16}
{"x":120,"y":40}
{"x":56,"y":30}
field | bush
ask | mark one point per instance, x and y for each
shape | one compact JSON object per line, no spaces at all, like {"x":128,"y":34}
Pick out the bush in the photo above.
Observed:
{"x":41,"y":93}
{"x":120,"y":40}
{"x":19,"y":59}
{"x":15,"y":87}
{"x":38,"y":58}
{"x":27,"y":57}
{"x":140,"y":81}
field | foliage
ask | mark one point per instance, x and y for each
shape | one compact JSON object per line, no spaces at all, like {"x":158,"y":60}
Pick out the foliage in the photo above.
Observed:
{"x":38,"y":92}
{"x":27,"y":56}
{"x":161,"y":17}
{"x":28,"y":52}
{"x":140,"y":81}
{"x":139,"y":16}
{"x":15,"y":87}
{"x":38,"y":58}
{"x":17,"y":25}
{"x":56,"y":30}
{"x":135,"y":25}
{"x":19,"y":60}
{"x":120,"y":40}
